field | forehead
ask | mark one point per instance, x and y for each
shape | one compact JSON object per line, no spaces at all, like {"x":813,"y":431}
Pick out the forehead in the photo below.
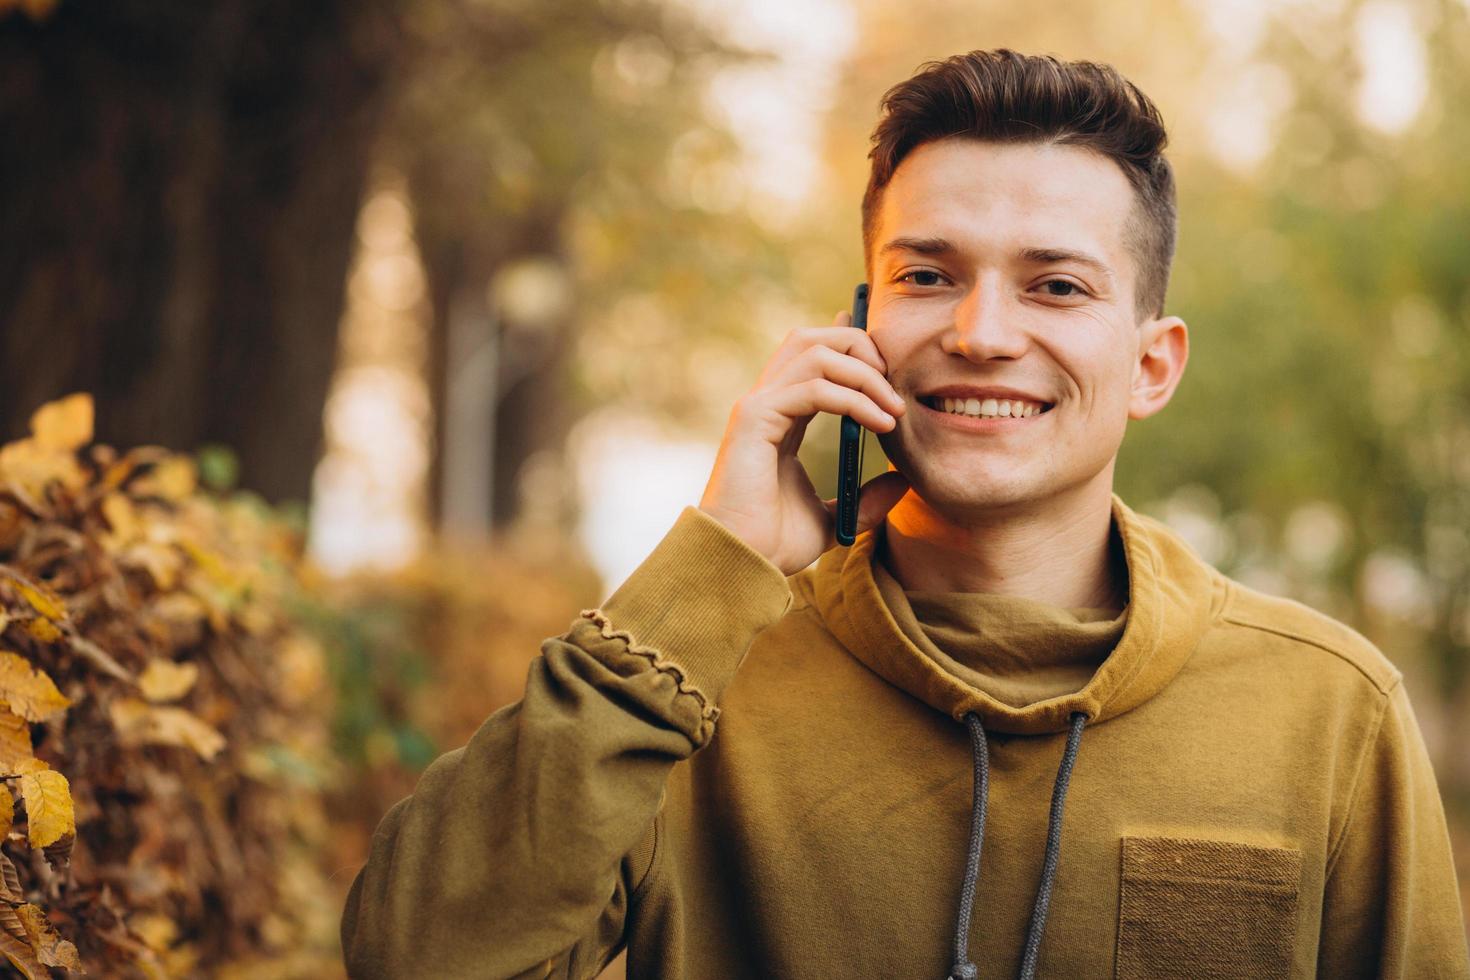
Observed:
{"x":998,"y":195}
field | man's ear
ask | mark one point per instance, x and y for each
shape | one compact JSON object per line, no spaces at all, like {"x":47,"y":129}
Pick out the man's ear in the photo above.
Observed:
{"x":1163,"y":349}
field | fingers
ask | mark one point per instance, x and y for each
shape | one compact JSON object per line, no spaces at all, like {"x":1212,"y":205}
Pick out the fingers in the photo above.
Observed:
{"x":875,"y":499}
{"x":824,"y":362}
{"x":878,"y":496}
{"x":806,"y":398}
{"x":842,"y":319}
{"x":843,"y":339}
{"x":819,"y":369}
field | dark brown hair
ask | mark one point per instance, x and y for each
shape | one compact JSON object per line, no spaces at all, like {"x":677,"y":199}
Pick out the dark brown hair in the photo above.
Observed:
{"x":1006,"y":97}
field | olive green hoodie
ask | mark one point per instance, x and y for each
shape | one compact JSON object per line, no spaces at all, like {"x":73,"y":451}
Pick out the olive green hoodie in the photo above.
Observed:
{"x":1239,"y":789}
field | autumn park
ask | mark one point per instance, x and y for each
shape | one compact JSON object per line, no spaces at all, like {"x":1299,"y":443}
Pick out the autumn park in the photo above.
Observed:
{"x":350,"y":349}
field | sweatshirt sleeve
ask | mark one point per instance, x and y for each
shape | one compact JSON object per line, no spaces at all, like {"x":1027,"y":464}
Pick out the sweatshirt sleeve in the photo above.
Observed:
{"x":1392,"y":906}
{"x":518,"y":853}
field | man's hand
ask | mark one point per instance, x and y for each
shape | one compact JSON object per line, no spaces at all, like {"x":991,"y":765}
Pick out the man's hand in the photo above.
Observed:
{"x":758,"y":488}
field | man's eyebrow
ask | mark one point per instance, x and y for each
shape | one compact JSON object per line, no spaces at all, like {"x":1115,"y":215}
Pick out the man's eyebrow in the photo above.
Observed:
{"x":924,"y":246}
{"x":1049,"y":255}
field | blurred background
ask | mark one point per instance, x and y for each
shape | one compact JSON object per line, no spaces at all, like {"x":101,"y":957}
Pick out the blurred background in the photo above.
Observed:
{"x":405,"y":328}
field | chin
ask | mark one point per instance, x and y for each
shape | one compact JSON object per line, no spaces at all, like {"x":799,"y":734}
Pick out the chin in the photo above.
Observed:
{"x":962,"y":497}
{"x":979,"y":486}
{"x":960,"y":500}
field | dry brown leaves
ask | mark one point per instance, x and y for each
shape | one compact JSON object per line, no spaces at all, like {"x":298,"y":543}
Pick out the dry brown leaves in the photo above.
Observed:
{"x":156,"y":819}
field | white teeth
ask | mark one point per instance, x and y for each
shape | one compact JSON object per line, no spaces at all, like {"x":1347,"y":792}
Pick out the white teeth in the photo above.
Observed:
{"x":990,"y":407}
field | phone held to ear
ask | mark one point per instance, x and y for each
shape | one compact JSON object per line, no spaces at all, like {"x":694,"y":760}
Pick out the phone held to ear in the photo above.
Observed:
{"x":850,"y":450}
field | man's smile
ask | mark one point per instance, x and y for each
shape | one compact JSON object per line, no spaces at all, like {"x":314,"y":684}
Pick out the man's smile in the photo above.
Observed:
{"x":983,"y":409}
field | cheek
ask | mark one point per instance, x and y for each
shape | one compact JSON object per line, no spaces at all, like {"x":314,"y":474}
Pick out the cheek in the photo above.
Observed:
{"x":897,"y":347}
{"x":1101,"y":367}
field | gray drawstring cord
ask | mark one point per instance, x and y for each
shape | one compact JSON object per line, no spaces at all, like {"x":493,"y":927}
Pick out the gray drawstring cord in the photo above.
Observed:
{"x":1053,"y":848}
{"x":963,"y":969}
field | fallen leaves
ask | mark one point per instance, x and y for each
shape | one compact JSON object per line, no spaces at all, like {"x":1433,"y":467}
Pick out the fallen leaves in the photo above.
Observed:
{"x":15,"y":742}
{"x":50,"y":948}
{"x":157,"y":709}
{"x":138,"y":724}
{"x":164,"y":680}
{"x":63,"y":425}
{"x":27,"y":691}
{"x":47,"y":795}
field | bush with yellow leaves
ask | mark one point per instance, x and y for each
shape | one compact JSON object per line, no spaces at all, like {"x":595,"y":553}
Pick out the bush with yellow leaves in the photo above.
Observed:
{"x":163,"y":723}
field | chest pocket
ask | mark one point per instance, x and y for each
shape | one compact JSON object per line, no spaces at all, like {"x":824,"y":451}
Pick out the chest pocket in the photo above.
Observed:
{"x":1206,"y":909}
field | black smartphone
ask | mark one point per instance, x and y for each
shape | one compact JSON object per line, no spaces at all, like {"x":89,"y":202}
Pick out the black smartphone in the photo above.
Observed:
{"x":850,"y":450}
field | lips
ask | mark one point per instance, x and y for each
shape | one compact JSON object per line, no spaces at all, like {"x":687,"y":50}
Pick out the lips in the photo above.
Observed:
{"x":981,"y":393}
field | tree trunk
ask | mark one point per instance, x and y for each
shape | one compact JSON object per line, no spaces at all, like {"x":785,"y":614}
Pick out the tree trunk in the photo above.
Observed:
{"x":180,"y":184}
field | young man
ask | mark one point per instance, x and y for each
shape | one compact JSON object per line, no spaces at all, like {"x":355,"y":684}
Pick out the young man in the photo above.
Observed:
{"x":1015,"y":725}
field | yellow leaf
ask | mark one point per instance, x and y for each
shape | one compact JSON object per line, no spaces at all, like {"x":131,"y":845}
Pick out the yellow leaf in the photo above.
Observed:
{"x":31,"y":468}
{"x":41,"y":600}
{"x":179,"y":608}
{"x":118,"y":510}
{"x":29,"y":692}
{"x":137,"y":722}
{"x":50,"y":948}
{"x":43,"y":630}
{"x":65,"y":424}
{"x":49,"y":813}
{"x":15,"y":743}
{"x":173,"y":479}
{"x":7,"y":812}
{"x":164,"y":680}
{"x":154,"y":928}
{"x":211,"y":565}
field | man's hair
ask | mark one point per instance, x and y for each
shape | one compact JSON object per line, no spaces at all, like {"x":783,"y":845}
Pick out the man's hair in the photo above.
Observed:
{"x":1005,"y":97}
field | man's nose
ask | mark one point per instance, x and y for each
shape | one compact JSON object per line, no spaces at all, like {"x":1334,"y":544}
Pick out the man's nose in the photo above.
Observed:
{"x":987,"y":326}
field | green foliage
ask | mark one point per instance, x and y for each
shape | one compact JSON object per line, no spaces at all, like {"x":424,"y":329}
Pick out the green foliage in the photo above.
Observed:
{"x":1327,"y":299}
{"x":219,"y":467}
{"x":376,"y":668}
{"x":579,"y":132}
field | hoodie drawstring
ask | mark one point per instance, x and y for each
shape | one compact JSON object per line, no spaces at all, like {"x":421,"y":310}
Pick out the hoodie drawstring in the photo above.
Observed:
{"x":963,"y":969}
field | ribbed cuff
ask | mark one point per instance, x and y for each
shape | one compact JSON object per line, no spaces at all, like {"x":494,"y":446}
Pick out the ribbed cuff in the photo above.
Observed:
{"x":700,"y":598}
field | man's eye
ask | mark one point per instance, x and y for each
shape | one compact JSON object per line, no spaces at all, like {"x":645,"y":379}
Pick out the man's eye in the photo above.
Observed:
{"x":1070,"y":288}
{"x":929,"y":277}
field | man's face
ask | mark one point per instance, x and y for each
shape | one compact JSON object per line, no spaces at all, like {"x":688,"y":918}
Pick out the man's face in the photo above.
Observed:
{"x":999,"y":271}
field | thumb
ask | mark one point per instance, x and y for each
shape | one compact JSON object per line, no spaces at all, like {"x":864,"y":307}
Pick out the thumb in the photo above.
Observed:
{"x":877,"y":497}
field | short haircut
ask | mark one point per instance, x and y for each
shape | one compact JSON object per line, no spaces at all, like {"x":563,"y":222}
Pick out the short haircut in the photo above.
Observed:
{"x":1005,"y":97}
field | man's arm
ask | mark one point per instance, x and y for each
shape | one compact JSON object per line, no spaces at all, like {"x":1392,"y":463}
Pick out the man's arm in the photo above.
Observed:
{"x":1392,"y":906}
{"x":518,"y":853}
{"x":521,"y":852}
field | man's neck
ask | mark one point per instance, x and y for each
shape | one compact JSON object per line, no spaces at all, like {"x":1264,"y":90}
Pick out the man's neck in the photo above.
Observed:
{"x":1057,"y":551}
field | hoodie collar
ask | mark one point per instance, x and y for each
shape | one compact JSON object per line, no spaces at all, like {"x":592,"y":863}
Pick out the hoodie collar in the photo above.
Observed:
{"x":1017,"y":650}
{"x":1169,"y":594}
